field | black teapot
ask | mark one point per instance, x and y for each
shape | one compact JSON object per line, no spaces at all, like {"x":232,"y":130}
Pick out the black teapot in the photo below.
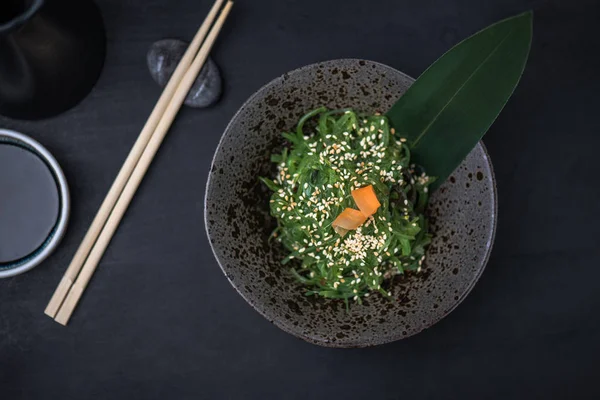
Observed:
{"x":51,"y":55}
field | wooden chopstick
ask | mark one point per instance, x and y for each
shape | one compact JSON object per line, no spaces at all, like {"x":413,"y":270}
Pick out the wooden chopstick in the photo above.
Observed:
{"x":136,"y":152}
{"x":77,"y":289}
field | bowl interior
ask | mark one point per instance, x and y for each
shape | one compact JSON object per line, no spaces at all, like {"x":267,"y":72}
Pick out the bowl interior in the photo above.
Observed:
{"x":55,"y":193}
{"x":462,"y":215}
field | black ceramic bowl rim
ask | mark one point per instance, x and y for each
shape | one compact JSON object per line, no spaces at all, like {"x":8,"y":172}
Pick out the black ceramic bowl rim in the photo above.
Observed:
{"x":379,"y":340}
{"x":53,"y":240}
{"x":23,"y":17}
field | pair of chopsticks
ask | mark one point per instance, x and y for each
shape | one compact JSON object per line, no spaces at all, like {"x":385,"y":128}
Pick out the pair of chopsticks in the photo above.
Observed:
{"x":95,"y":242}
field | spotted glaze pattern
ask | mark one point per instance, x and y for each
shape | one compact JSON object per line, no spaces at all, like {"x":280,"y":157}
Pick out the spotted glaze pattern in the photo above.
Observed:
{"x":462,"y":212}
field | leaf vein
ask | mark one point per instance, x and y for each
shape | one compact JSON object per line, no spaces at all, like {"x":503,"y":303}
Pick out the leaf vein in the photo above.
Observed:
{"x":418,"y":138}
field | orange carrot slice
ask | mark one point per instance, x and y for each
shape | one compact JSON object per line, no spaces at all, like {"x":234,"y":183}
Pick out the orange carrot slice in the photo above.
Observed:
{"x":366,"y":200}
{"x":348,"y":220}
{"x":340,"y":231}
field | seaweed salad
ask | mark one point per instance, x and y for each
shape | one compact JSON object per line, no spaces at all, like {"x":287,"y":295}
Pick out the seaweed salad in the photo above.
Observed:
{"x":349,"y":204}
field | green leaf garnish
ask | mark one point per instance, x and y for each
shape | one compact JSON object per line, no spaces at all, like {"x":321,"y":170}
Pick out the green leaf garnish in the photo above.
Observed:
{"x":452,"y":104}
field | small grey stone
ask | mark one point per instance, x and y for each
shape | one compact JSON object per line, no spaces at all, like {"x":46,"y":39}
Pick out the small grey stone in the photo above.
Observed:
{"x":163,"y":58}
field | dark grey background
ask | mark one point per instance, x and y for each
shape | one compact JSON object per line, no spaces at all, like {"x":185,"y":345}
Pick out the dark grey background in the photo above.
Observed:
{"x":159,"y":319}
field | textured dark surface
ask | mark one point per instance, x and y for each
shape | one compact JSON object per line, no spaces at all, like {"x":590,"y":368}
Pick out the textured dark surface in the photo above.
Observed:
{"x":160,"y":321}
{"x":163,"y":57}
{"x":463,"y":215}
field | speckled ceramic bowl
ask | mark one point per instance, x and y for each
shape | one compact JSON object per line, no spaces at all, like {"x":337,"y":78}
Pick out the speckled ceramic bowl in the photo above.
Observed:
{"x":462,"y":214}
